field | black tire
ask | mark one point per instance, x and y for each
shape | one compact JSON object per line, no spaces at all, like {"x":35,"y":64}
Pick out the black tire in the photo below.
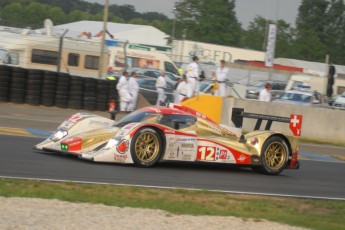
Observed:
{"x":5,"y":68}
{"x":75,"y":104}
{"x":35,"y":77}
{"x":4,"y":90}
{"x":49,"y":87}
{"x":19,"y":81}
{"x":4,"y":98}
{"x":101,"y":106}
{"x":89,"y":105}
{"x":274,"y":156}
{"x":148,"y":141}
{"x":48,"y":102}
{"x":34,"y":87}
{"x":61,"y":103}
{"x":17,"y":91}
{"x":4,"y":84}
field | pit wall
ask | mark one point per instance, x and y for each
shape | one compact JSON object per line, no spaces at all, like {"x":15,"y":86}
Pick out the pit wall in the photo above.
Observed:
{"x":318,"y":123}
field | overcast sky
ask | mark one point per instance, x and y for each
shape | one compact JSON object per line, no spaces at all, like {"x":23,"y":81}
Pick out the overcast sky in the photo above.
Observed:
{"x":246,"y":10}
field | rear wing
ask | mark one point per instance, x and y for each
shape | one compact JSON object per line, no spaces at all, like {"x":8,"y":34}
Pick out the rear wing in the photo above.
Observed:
{"x":295,"y":120}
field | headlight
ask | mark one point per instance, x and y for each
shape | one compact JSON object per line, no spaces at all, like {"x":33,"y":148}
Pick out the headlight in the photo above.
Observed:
{"x":58,"y":135}
{"x":111,"y":144}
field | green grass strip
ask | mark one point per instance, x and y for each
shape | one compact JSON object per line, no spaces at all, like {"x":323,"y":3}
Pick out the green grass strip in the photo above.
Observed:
{"x":309,"y":213}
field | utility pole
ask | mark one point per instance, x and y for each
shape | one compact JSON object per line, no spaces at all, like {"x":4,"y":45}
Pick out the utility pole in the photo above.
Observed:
{"x":60,"y":51}
{"x":105,"y":19}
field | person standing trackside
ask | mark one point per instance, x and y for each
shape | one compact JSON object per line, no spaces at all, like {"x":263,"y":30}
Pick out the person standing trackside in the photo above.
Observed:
{"x":265,"y":94}
{"x":123,"y":91}
{"x":161,"y":85}
{"x":220,"y":76}
{"x":193,"y":75}
{"x":133,"y":90}
{"x":183,"y":90}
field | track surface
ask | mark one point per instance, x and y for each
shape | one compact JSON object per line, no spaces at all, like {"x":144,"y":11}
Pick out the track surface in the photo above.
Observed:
{"x":321,"y":176}
{"x":314,"y":179}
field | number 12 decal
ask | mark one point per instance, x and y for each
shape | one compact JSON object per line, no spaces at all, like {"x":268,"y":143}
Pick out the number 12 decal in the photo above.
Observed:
{"x":206,"y":153}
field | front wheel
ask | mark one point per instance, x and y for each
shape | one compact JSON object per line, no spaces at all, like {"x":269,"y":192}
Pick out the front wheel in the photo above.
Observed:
{"x":146,"y":147}
{"x":274,"y":156}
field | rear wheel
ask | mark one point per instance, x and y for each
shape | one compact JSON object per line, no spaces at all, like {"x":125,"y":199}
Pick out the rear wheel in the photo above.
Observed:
{"x":146,"y":147}
{"x":274,"y":156}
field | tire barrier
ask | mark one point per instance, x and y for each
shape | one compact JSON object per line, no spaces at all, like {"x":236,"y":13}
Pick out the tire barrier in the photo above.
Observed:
{"x":62,"y":90}
{"x":102,"y":95}
{"x":49,"y":88}
{"x":17,"y":86}
{"x":76,"y":92}
{"x":89,"y":98}
{"x":34,"y":87}
{"x":5,"y":73}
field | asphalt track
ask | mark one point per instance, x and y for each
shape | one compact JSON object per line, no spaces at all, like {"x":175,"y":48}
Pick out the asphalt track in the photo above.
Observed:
{"x":21,"y":127}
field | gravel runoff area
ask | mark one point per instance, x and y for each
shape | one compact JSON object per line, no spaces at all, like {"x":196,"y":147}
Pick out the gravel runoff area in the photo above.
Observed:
{"x":32,"y":213}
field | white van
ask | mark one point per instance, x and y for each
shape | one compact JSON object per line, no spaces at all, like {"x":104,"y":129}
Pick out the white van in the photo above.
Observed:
{"x":122,"y":58}
{"x":35,"y":51}
{"x":315,"y":82}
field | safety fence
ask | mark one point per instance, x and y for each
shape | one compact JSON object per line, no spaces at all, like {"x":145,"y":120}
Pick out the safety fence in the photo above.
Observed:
{"x":48,"y":88}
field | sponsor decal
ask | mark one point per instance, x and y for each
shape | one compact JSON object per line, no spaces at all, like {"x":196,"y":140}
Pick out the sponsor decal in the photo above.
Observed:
{"x":181,"y":139}
{"x":186,"y":157}
{"x":296,"y":124}
{"x":169,"y":131}
{"x":74,"y":118}
{"x":187,"y":145}
{"x":129,"y":126}
{"x":72,"y":144}
{"x":206,"y":153}
{"x":120,"y":158}
{"x":95,"y":122}
{"x":242,"y":158}
{"x":215,"y":129}
{"x":223,"y":154}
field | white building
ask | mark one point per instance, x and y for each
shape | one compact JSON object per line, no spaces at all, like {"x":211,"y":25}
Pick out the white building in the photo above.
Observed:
{"x":135,"y":34}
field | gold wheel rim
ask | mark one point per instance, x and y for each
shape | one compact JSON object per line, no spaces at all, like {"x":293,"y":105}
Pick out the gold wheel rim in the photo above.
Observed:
{"x":146,"y":147}
{"x":275,"y":155}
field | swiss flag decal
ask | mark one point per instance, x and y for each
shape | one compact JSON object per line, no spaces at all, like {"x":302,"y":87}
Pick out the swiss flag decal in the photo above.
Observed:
{"x":296,"y":124}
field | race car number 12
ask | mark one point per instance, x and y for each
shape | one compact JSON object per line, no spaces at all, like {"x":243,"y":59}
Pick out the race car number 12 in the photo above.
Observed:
{"x":206,"y":153}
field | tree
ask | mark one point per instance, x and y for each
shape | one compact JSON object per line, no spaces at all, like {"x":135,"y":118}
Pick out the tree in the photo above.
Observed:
{"x":255,"y":36}
{"x":208,"y":21}
{"x":320,"y":30}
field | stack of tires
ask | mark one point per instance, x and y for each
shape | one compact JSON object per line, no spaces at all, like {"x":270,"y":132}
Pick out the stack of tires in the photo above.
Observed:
{"x":49,"y":88}
{"x":90,"y":89}
{"x":5,"y":77}
{"x":102,"y":95}
{"x":75,"y":100}
{"x":34,"y":87}
{"x":112,"y":93}
{"x":17,"y":89}
{"x":62,"y":90}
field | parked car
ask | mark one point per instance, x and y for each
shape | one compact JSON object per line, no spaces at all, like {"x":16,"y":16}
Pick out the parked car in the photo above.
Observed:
{"x":147,"y":88}
{"x":277,"y":89}
{"x":302,"y":97}
{"x":155,"y":73}
{"x":339,"y":102}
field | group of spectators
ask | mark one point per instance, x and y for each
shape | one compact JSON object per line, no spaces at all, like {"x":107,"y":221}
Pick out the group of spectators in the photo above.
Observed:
{"x":187,"y":87}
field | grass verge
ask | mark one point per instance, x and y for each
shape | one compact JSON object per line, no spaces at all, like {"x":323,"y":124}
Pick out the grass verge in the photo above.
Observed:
{"x":309,"y":213}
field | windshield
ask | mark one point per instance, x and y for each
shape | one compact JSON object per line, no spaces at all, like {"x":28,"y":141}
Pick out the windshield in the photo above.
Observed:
{"x":184,"y":121}
{"x":297,"y":97}
{"x":136,"y":116}
{"x":259,"y":84}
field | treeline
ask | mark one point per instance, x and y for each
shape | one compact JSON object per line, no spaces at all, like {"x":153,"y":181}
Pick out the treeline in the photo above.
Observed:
{"x":319,"y":31}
